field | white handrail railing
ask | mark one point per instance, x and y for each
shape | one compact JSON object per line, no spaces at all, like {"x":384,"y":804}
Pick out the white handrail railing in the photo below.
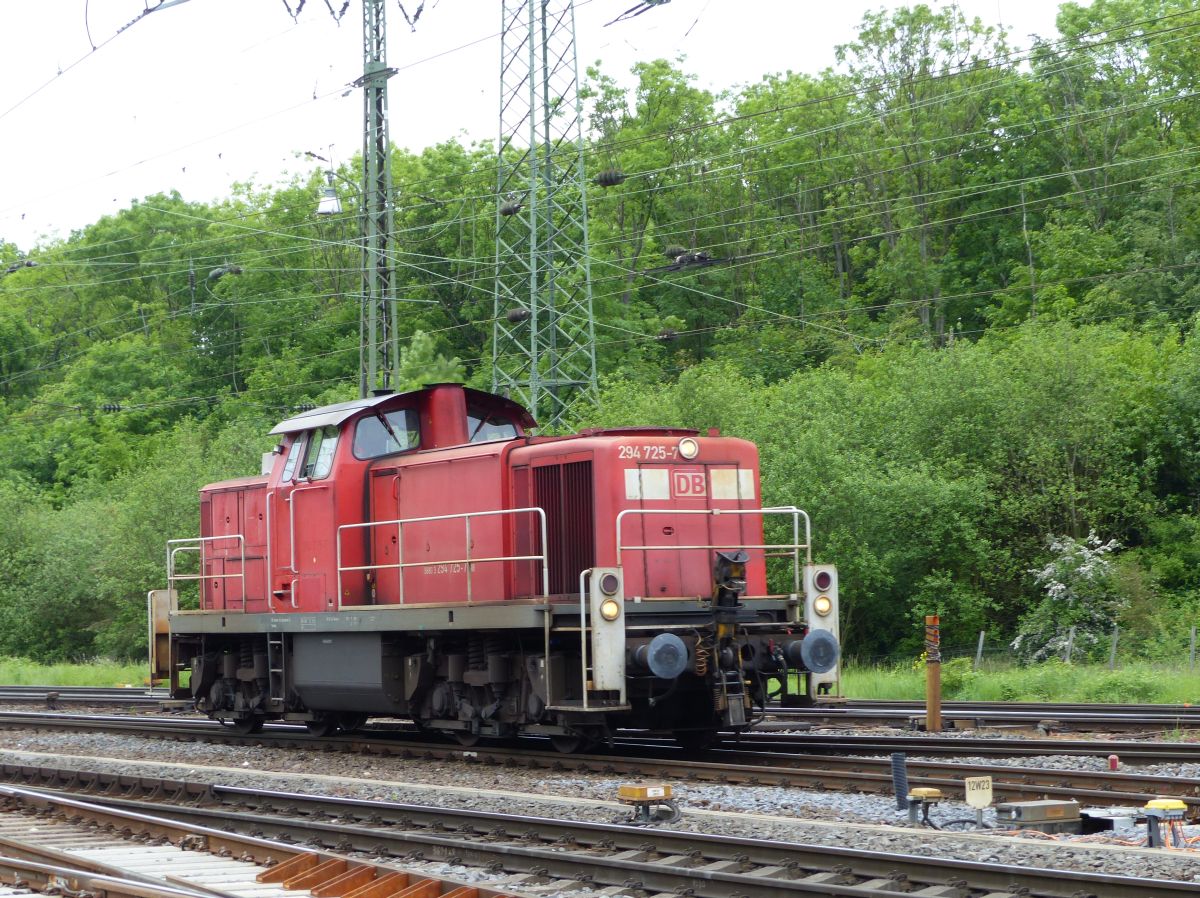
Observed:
{"x":794,"y":546}
{"x":584,"y":630}
{"x":470,"y":562}
{"x":197,"y":544}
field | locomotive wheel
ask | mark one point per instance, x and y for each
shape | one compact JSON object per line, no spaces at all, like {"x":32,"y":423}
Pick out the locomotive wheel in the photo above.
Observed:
{"x":465,"y":739}
{"x":246,"y":726}
{"x":568,"y":745}
{"x":695,"y":741}
{"x":350,"y":723}
{"x":323,"y":726}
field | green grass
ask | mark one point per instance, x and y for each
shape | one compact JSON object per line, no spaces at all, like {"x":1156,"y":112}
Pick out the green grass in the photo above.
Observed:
{"x":19,"y":672}
{"x":1049,"y":682}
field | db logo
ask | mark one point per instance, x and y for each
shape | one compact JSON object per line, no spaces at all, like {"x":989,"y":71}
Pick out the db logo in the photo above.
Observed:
{"x":689,"y":484}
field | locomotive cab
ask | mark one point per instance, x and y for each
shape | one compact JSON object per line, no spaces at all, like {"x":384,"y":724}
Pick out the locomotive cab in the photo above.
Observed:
{"x":421,"y":555}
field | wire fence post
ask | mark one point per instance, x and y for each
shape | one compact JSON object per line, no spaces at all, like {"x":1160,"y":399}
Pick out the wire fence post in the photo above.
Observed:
{"x":979,"y":650}
{"x":1192,"y":650}
{"x":1112,"y":653}
{"x":1070,"y":646}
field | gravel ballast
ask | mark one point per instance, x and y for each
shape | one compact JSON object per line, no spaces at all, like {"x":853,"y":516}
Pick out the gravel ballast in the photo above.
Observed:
{"x":828,"y":818}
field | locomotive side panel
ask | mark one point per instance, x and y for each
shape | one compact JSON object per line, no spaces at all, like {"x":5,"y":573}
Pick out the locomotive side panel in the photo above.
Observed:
{"x":348,"y":671}
{"x":438,"y":556}
{"x":233,"y":546}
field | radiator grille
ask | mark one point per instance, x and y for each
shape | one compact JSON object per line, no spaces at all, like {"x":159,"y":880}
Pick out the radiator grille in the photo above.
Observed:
{"x":565,"y":493}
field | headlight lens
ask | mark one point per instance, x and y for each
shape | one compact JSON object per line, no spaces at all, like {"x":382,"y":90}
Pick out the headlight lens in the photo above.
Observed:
{"x":689,"y":448}
{"x":610,"y":609}
{"x":822,"y":605}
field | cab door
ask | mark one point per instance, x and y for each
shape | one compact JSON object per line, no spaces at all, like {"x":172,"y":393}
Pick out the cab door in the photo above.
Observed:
{"x":303,"y":520}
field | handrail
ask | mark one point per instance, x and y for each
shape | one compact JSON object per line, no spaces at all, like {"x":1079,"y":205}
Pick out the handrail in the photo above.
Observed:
{"x":197,"y":544}
{"x":270,"y":495}
{"x":584,"y":630}
{"x":469,"y":561}
{"x":795,"y":546}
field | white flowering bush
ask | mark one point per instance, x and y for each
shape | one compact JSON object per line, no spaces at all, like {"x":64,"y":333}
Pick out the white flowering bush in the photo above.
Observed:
{"x":1077,"y":586}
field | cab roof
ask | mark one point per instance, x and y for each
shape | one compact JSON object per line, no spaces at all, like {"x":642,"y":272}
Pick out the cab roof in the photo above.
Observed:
{"x":336,"y":414}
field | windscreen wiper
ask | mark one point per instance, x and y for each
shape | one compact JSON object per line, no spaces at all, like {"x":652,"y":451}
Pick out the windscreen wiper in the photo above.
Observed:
{"x":388,"y":427}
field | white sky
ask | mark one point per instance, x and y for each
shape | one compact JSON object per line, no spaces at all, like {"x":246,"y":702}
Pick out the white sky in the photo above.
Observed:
{"x":200,"y":95}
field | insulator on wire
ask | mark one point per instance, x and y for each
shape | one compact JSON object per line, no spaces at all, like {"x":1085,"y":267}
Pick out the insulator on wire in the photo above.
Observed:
{"x":510,"y":208}
{"x":515,"y":316}
{"x":111,"y":407}
{"x":667,"y":335}
{"x":610,"y":177}
{"x":674,"y":252}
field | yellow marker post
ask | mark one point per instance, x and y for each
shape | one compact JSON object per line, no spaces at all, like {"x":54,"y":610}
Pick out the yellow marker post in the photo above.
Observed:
{"x":933,"y":673}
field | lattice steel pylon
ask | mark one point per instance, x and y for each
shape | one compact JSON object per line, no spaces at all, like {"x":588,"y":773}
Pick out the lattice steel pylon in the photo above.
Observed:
{"x":543,"y":335}
{"x":381,"y":356}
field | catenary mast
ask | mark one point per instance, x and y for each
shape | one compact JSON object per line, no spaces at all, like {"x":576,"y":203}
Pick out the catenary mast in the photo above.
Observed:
{"x":543,"y":332}
{"x":382,"y":357}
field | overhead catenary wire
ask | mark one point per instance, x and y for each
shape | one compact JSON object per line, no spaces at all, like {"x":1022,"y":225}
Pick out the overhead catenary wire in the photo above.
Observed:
{"x":964,"y":192}
{"x":1109,"y":185}
{"x":808,"y":319}
{"x":997,"y":60}
{"x":1089,"y":47}
{"x":324,"y":382}
{"x":777,"y":315}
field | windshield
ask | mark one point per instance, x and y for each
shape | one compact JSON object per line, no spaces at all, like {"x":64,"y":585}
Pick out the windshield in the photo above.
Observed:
{"x":483,"y":427}
{"x":371,"y":438}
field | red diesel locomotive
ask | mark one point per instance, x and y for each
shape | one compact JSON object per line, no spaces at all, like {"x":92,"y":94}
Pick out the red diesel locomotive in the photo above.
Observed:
{"x":420,"y":555}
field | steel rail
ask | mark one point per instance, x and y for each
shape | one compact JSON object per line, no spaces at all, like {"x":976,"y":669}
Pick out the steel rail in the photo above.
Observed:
{"x":18,"y":872}
{"x":70,"y":865}
{"x":981,"y":714}
{"x":1031,"y":707}
{"x":146,"y":823}
{"x":612,"y":854}
{"x":1126,"y":750}
{"x":124,"y":695}
{"x":720,"y":766}
{"x":1129,"y":717}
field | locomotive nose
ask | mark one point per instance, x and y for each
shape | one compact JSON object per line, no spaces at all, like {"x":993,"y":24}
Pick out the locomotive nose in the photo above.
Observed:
{"x":818,"y":651}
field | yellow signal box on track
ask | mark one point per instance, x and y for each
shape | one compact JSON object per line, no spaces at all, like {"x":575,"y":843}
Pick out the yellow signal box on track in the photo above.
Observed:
{"x":631,"y":794}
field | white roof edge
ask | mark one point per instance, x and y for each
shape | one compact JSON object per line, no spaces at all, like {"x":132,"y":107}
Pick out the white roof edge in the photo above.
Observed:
{"x":329,"y":415}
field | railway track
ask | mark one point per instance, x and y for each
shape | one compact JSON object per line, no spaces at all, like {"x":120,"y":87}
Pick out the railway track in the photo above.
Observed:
{"x":1130,"y":751}
{"x":1124,"y":717}
{"x":83,"y":695}
{"x":622,"y":859}
{"x":723,"y":766}
{"x":995,"y":714}
{"x":59,"y":845}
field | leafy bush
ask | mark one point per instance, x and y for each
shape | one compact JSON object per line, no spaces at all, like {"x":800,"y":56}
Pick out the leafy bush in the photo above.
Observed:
{"x":1078,"y":597}
{"x":958,"y":675}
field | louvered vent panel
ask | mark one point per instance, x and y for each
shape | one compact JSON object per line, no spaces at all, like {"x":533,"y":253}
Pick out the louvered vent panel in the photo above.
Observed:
{"x":565,"y":492}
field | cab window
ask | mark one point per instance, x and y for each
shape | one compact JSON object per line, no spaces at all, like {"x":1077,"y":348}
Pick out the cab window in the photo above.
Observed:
{"x":293,"y":458}
{"x":318,"y":460}
{"x":484,"y":427}
{"x":372,"y":439}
